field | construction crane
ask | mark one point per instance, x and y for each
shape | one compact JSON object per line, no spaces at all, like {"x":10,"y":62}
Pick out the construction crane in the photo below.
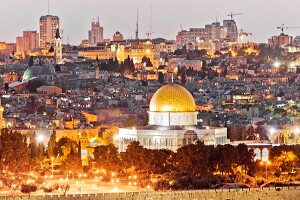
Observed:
{"x":243,"y":34}
{"x":181,"y":26}
{"x":283,"y":27}
{"x":233,"y":14}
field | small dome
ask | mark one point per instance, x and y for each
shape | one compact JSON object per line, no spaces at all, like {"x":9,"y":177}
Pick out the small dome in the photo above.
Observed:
{"x":172,"y":98}
{"x":36,"y":71}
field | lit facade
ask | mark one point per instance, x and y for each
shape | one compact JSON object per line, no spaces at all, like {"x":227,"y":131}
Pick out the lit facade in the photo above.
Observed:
{"x":27,"y":43}
{"x":136,"y":51}
{"x":167,"y":47}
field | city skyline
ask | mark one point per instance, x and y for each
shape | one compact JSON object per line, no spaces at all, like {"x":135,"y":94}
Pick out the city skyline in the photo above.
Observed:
{"x":259,"y":18}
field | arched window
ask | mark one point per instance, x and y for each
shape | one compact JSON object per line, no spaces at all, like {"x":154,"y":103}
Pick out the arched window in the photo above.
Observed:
{"x":265,"y":154}
{"x":162,"y":142}
{"x":145,"y":143}
{"x":257,"y":154}
{"x":173,"y":142}
{"x":156,"y":142}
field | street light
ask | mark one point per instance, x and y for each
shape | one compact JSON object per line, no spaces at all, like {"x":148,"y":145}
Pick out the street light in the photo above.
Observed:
{"x":266,"y":163}
{"x":52,"y":165}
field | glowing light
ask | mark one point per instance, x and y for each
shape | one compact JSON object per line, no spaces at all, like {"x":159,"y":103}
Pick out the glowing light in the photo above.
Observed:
{"x":292,"y":65}
{"x":276,"y":64}
{"x":116,"y":137}
{"x":40,"y":138}
{"x":272,"y":131}
{"x":115,"y":189}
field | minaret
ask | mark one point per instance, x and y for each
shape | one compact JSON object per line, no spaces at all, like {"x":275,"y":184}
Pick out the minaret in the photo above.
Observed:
{"x":57,"y":47}
{"x":97,"y":70}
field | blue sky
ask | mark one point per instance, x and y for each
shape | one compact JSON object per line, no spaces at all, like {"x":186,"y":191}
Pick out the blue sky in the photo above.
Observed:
{"x":261,"y":17}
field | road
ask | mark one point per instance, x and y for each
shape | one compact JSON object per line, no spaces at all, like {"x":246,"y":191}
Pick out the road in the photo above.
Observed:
{"x":80,"y":186}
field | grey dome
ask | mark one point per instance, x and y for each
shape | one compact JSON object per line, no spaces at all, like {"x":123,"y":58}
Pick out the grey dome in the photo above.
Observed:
{"x":36,"y":71}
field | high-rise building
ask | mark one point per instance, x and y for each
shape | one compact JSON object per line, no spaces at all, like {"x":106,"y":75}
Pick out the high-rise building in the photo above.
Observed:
{"x":210,"y":33}
{"x":28,"y":42}
{"x":96,"y":33}
{"x":280,"y":41}
{"x":231,"y":30}
{"x":48,"y":26}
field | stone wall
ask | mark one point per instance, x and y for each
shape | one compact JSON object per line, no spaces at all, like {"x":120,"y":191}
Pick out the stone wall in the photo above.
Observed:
{"x":285,"y":193}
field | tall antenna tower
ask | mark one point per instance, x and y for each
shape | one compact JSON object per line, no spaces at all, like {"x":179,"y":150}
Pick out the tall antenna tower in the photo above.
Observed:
{"x":137,"y":26}
{"x":48,"y":7}
{"x":151,"y":18}
{"x":149,"y":33}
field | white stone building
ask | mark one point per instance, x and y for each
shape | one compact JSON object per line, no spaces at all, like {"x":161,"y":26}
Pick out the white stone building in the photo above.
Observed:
{"x":172,"y":123}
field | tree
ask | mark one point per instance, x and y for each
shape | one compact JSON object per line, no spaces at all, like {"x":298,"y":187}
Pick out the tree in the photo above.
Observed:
{"x":30,"y":63}
{"x":224,"y":159}
{"x":8,"y":182}
{"x":51,"y":49}
{"x":249,"y":134}
{"x":66,"y":146}
{"x":246,"y":159}
{"x":128,"y":65}
{"x":108,"y":135}
{"x":79,"y":148}
{"x":161,"y":78}
{"x":262,"y":132}
{"x":130,"y":122}
{"x":136,"y":157}
{"x":52,"y":151}
{"x":204,"y":66}
{"x":14,"y":152}
{"x":284,"y":158}
{"x":37,"y":154}
{"x":233,"y":133}
{"x":147,"y":61}
{"x":192,"y":155}
{"x":34,"y":84}
{"x":72,"y":163}
{"x":57,"y":68}
{"x":160,"y":161}
{"x":65,"y":188}
{"x":106,"y":157}
{"x":27,"y":189}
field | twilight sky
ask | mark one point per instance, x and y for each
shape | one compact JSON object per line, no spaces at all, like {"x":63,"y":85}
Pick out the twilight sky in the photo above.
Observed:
{"x":261,"y":17}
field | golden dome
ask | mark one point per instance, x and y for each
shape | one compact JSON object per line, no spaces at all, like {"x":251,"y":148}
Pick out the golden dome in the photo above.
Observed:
{"x":172,"y":98}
